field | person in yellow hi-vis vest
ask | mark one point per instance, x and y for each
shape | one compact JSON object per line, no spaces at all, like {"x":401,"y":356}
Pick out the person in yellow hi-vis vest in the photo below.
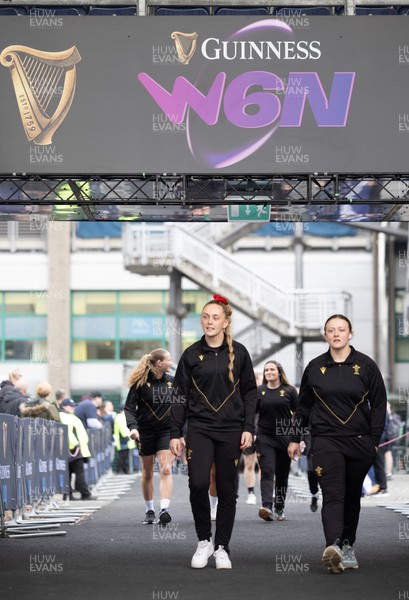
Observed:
{"x":79,"y":451}
{"x":122,"y":441}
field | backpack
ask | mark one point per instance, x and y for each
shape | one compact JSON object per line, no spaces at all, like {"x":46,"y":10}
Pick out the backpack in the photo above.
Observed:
{"x":394,"y":426}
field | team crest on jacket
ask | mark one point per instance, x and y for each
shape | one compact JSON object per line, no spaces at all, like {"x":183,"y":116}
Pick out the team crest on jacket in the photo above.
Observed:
{"x":169,"y":384}
{"x":323,"y":369}
{"x":356,"y":369}
{"x":282,"y":393}
{"x":263,"y":393}
{"x":201,"y":356}
{"x":318,"y":471}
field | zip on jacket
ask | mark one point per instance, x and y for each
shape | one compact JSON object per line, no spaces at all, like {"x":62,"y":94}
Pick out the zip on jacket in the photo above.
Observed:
{"x":341,"y":399}
{"x":204,"y":395}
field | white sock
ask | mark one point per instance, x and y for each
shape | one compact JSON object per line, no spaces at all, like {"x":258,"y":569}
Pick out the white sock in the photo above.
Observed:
{"x":149,"y":505}
{"x":164,"y":503}
{"x":213,"y":500}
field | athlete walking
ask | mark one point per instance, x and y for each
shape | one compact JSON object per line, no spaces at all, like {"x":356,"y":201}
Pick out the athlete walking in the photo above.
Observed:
{"x":343,"y":399}
{"x":215,"y":390}
{"x":147,"y":411}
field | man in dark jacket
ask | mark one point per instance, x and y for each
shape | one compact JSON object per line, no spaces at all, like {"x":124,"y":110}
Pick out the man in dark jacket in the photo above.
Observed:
{"x":6,"y":384}
{"x":14,"y":397}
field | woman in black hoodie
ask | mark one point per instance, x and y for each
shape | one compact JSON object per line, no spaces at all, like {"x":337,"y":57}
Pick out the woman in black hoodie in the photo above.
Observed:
{"x":215,"y":390}
{"x":343,"y":400}
{"x":147,"y":410}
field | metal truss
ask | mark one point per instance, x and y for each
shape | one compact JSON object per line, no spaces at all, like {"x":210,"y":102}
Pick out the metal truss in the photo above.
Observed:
{"x":279,"y":190}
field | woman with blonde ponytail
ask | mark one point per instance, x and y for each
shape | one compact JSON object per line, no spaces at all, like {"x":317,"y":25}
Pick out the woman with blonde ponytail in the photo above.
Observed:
{"x":215,"y":390}
{"x":147,"y":412}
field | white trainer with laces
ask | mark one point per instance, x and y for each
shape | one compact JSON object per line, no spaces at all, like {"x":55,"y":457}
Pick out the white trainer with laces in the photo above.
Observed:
{"x":348,"y":556}
{"x":251,"y":498}
{"x":332,"y":559}
{"x":201,"y":556}
{"x":222,"y":558}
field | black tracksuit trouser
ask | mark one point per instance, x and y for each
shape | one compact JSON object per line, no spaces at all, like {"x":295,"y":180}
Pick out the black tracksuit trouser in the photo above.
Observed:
{"x":202,"y":450}
{"x":341,"y":464}
{"x":275,"y":467}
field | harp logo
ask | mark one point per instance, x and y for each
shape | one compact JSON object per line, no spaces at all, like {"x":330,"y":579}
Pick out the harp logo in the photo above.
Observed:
{"x":44,"y":85}
{"x":185,"y":44}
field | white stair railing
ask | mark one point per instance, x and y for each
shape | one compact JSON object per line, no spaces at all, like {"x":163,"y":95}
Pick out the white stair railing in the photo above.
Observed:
{"x":215,"y":269}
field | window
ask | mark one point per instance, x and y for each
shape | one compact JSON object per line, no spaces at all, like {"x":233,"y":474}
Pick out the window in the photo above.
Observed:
{"x":23,"y":325}
{"x":125,"y":325}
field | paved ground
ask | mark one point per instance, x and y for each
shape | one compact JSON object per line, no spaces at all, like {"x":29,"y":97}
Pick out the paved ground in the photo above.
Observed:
{"x":111,"y":555}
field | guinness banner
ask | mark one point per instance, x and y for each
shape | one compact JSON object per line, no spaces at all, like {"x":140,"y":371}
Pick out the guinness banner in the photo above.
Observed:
{"x":105,"y":96}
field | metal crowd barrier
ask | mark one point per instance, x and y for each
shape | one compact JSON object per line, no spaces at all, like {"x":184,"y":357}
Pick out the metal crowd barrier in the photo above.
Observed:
{"x":34,"y":465}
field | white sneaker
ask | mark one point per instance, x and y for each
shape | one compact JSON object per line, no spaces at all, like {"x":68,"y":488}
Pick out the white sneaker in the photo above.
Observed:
{"x":213,"y":512}
{"x":201,"y":556}
{"x":348,"y":556}
{"x":251,"y":498}
{"x":332,"y":559}
{"x":222,"y":558}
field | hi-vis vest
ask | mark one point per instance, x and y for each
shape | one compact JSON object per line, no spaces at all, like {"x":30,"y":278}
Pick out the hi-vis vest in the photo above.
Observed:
{"x":77,"y":434}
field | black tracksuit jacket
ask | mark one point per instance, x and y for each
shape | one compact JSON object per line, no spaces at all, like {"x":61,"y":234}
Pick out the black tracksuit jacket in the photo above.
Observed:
{"x":341,"y":399}
{"x":204,"y":395}
{"x":147,"y":407}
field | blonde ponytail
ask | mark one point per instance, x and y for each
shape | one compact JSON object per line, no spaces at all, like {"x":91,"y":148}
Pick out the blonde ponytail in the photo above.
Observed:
{"x":139,"y":374}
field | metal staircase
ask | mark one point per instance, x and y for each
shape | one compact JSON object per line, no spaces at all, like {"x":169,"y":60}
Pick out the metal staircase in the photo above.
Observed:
{"x":288,"y":313}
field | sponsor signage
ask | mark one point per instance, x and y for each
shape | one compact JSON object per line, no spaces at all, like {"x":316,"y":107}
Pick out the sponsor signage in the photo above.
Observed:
{"x":91,"y":95}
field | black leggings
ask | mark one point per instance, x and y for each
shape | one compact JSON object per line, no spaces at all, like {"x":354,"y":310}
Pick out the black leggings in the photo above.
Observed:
{"x":202,"y":449}
{"x":341,"y":464}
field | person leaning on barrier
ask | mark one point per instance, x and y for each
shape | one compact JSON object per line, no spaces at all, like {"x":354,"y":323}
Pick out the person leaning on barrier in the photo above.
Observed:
{"x":7,"y":384}
{"x":15,"y":397}
{"x":43,"y":406}
{"x":78,"y":445}
{"x":343,"y":401}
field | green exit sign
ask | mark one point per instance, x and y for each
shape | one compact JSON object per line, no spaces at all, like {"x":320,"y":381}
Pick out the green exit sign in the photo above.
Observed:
{"x":256,"y":213}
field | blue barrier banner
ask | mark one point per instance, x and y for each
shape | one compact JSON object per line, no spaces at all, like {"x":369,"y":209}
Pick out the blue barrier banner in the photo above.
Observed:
{"x":7,"y":464}
{"x":61,"y":452}
{"x":30,"y":474}
{"x":20,"y":492}
{"x":34,"y":457}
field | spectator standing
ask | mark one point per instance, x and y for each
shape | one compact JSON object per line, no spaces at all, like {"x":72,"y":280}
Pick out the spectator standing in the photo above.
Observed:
{"x":43,"y":406}
{"x":14,"y":397}
{"x":86,"y":410}
{"x":14,"y":376}
{"x":79,"y":451}
{"x":122,"y":441}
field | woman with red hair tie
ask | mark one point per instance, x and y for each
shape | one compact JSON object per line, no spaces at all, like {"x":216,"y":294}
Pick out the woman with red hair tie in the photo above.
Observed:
{"x":215,"y":390}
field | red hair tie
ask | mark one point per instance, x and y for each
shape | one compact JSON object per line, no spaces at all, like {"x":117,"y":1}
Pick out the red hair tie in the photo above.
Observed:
{"x":221,"y":299}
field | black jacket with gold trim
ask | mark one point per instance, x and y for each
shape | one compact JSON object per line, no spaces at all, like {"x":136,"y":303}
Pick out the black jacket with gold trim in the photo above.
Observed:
{"x":204,"y":395}
{"x":147,"y":407}
{"x":341,"y":399}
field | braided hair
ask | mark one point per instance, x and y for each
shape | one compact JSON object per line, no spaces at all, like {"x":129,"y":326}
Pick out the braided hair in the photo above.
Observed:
{"x":139,"y":374}
{"x":224,"y":303}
